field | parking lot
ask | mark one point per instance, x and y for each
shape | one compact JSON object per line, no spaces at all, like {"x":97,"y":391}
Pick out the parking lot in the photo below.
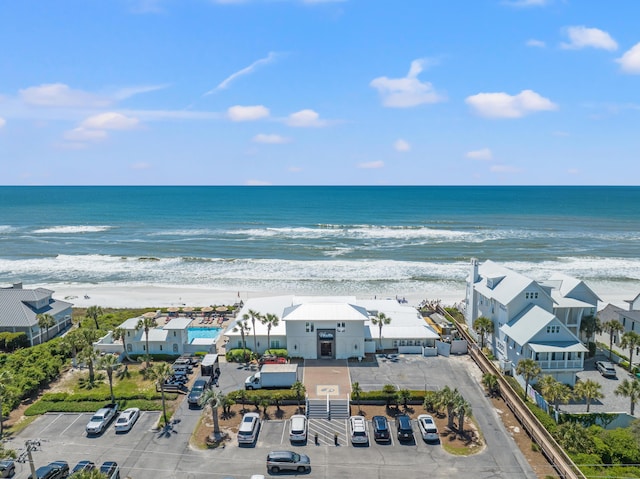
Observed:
{"x":144,"y":453}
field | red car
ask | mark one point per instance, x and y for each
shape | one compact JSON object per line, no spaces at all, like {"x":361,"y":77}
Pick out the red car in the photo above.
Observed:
{"x":270,"y":359}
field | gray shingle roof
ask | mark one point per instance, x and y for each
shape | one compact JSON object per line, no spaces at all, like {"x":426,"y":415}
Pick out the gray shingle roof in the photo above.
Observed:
{"x":17,"y":306}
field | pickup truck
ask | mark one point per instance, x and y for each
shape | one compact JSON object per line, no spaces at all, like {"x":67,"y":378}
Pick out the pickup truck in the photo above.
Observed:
{"x":101,"y":419}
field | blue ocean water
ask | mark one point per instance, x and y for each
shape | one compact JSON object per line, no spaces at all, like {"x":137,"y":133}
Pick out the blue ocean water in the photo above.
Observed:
{"x":316,"y":240}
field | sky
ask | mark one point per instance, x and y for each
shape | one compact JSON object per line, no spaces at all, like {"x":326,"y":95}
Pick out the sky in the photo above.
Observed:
{"x":319,"y":92}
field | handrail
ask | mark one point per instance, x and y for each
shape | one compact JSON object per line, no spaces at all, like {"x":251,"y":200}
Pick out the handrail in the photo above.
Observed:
{"x":548,"y":445}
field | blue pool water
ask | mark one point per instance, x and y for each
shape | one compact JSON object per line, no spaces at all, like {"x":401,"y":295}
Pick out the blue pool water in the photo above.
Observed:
{"x":197,"y":333}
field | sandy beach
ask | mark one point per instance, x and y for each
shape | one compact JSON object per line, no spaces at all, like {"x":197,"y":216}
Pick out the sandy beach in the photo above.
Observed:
{"x":149,"y":296}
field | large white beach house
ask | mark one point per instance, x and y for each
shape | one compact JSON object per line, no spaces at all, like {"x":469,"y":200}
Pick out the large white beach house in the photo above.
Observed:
{"x":20,"y":307}
{"x":338,"y":327}
{"x":539,"y":320}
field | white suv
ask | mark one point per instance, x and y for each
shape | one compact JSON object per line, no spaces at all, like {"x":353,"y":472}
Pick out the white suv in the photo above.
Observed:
{"x":358,"y":429}
{"x":298,"y":428}
{"x":249,"y":427}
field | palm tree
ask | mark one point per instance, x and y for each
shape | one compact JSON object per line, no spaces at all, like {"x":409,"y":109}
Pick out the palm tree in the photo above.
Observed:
{"x":554,"y":391}
{"x":244,"y":328}
{"x":94,"y":312}
{"x":529,"y":370}
{"x":45,"y":320}
{"x":462,"y":410}
{"x":630,"y":340}
{"x":447,"y":398}
{"x":483,"y":326}
{"x":299,"y":390}
{"x":109,"y":363}
{"x":490,"y":382}
{"x":213,"y":398}
{"x":380,"y":320}
{"x":631,"y":390}
{"x":121,"y":334}
{"x":89,"y":356}
{"x":612,"y":327}
{"x":5,"y":380}
{"x":574,"y":438}
{"x":160,"y":373}
{"x":404,"y":395}
{"x":74,"y":341}
{"x":589,"y":390}
{"x":589,"y":326}
{"x":356,"y":392}
{"x":253,"y":315}
{"x":146,"y":324}
{"x":272,"y":321}
{"x":390,"y":393}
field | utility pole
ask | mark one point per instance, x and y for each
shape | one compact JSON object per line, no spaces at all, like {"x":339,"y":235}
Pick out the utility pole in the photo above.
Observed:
{"x":30,"y":445}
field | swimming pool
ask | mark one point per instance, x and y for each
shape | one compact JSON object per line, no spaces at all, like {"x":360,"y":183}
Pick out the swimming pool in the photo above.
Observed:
{"x":198,"y":333}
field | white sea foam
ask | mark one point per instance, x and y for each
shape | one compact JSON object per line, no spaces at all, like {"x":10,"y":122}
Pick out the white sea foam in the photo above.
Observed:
{"x":7,"y":229}
{"x":70,"y":229}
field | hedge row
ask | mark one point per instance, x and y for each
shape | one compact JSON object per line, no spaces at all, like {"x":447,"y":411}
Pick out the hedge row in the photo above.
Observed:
{"x":416,"y":396}
{"x":9,"y":342}
{"x":42,"y":407}
{"x":105,"y":396}
{"x":260,"y":394}
{"x":239,"y":355}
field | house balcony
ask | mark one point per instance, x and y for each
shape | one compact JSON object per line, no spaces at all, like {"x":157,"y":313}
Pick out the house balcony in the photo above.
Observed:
{"x":562,"y":364}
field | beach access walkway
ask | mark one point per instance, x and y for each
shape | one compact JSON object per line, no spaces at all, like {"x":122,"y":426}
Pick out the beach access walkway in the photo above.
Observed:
{"x":328,"y":386}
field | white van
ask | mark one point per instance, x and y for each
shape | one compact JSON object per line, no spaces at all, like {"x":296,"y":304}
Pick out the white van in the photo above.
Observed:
{"x":298,"y":428}
{"x":249,"y":427}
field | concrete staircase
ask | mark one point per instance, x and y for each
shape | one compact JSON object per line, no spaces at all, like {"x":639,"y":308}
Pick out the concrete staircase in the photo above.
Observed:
{"x":317,"y":408}
{"x":339,"y":409}
{"x":328,"y":408}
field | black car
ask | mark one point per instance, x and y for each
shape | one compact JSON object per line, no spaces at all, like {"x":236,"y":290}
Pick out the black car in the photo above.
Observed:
{"x":83,"y":466}
{"x":54,"y":470}
{"x":7,"y":468}
{"x":380,"y":428}
{"x":110,"y":469}
{"x":198,"y":390}
{"x":405,"y":430}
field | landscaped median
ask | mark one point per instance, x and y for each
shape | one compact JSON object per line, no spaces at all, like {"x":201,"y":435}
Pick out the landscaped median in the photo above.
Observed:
{"x":75,"y":394}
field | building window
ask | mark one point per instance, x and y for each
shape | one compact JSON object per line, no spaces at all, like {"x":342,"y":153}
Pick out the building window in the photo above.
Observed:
{"x":535,"y":295}
{"x":129,"y":348}
{"x":161,"y":347}
{"x":309,"y":327}
{"x":128,"y":333}
{"x":175,"y":348}
{"x":633,"y":325}
{"x":341,"y":327}
{"x":275,"y":344}
{"x":174,"y":334}
{"x":239,"y":344}
{"x":144,"y":347}
{"x":395,"y":343}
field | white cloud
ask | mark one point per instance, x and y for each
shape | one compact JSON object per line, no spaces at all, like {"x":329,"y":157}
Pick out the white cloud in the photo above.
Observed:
{"x":257,"y":183}
{"x":482,"y":154}
{"x":408,"y":91}
{"x":371,"y":165}
{"x":583,"y":37}
{"x":110,"y":121}
{"x":401,"y":145}
{"x":630,"y":61}
{"x":247,"y":113}
{"x":527,"y":3}
{"x":245,"y":71}
{"x":2,"y":122}
{"x":128,"y":92}
{"x":305,"y":118}
{"x":271,"y":139}
{"x":504,"y":169}
{"x":503,"y":105}
{"x":81,"y":134}
{"x":60,"y":95}
{"x":536,"y":43}
{"x":140,"y":166}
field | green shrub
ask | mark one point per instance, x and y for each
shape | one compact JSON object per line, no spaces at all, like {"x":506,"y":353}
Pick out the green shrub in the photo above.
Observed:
{"x":9,"y":342}
{"x":281,"y":353}
{"x":237,"y":355}
{"x":261,"y":394}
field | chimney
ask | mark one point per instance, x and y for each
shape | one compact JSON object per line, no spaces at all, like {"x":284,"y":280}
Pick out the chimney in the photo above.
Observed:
{"x":474,"y":270}
{"x":17,"y":285}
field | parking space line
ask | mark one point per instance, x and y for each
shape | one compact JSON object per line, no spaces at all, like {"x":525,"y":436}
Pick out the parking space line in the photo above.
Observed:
{"x":284,"y":428}
{"x":72,"y":423}
{"x":47,"y":426}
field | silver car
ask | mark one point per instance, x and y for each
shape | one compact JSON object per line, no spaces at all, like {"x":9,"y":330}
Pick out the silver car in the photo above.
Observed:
{"x":287,"y":461}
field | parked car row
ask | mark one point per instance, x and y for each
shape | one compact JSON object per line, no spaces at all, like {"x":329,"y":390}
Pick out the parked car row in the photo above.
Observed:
{"x":105,"y":415}
{"x":60,"y":470}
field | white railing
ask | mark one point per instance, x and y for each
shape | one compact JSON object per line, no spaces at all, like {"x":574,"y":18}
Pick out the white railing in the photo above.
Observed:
{"x":562,"y":364}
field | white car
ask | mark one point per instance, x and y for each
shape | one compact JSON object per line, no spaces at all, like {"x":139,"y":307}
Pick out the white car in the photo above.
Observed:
{"x":428,"y":428}
{"x":358,"y":429}
{"x":127,"y":419}
{"x":298,"y":428}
